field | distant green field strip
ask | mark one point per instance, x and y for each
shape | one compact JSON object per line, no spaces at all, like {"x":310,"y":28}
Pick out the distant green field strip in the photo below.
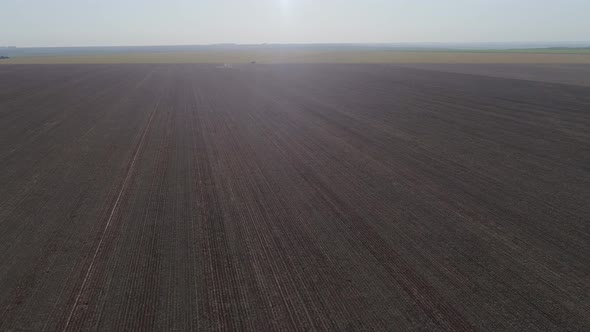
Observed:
{"x":535,"y":51}
{"x":309,"y":56}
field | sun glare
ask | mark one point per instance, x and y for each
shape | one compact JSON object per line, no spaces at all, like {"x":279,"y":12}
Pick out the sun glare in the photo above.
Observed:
{"x":285,"y":5}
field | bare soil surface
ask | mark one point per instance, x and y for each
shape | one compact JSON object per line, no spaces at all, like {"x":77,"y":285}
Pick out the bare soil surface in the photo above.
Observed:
{"x":291,"y":197}
{"x":576,"y":74}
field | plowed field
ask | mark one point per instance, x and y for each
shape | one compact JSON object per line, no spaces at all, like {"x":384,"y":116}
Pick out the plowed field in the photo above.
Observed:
{"x":291,"y":197}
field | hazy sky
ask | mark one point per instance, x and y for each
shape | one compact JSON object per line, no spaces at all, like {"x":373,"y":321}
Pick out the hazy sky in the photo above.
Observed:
{"x":159,"y":22}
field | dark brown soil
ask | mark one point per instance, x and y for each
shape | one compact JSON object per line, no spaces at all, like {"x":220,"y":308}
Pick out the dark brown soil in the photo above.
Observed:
{"x":291,"y":197}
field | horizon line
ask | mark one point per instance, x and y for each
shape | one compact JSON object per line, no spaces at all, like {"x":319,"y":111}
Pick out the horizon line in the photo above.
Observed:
{"x":315,"y":43}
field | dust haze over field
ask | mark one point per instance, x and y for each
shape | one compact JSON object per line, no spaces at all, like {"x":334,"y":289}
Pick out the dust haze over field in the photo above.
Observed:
{"x":294,"y":197}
